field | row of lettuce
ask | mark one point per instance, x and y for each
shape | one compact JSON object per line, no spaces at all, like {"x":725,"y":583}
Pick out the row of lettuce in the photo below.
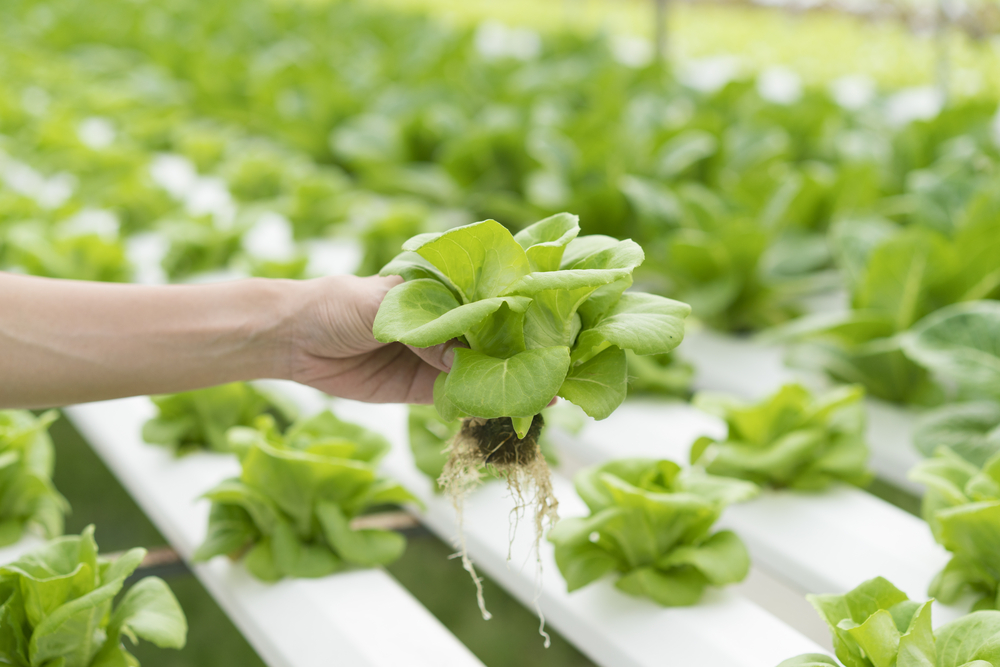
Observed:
{"x":291,"y":511}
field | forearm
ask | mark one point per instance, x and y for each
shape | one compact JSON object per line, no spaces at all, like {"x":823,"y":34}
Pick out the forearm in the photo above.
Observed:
{"x":64,"y":342}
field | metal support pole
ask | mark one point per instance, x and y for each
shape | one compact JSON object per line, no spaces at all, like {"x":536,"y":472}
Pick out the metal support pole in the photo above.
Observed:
{"x":660,"y":27}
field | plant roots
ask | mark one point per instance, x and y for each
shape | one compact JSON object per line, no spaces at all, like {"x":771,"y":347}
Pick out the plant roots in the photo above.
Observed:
{"x":493,"y":444}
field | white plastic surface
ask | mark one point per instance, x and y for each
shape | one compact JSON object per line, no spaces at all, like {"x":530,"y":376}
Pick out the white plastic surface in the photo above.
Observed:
{"x":612,"y":628}
{"x":360,"y":618}
{"x":825,"y":542}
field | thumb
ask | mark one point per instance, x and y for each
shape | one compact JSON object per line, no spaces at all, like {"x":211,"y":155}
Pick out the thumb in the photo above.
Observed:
{"x":439,"y":356}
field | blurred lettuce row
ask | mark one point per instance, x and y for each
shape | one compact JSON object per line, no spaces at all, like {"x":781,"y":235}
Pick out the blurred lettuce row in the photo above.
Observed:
{"x":962,"y":508}
{"x":27,"y":458}
{"x":650,"y":525}
{"x":732,"y":192}
{"x":199,"y":420}
{"x":877,"y":625}
{"x":791,"y":439}
{"x":57,"y":607}
{"x":290,"y":512}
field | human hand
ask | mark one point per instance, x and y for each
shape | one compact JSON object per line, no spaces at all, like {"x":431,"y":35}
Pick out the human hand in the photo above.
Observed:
{"x":333,"y":349}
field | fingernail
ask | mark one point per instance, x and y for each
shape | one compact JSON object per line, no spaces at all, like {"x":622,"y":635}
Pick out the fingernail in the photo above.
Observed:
{"x":448,"y":357}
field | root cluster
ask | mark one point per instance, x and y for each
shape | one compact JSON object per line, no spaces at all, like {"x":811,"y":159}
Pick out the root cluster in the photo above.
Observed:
{"x":493,"y":445}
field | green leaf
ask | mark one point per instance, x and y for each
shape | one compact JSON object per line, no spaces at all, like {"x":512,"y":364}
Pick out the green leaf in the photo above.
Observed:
{"x":230,"y":529}
{"x":676,"y":588}
{"x":149,"y":610}
{"x":423,"y":313}
{"x":961,"y":342}
{"x":519,"y":386}
{"x":971,"y":430}
{"x":482,"y":259}
{"x":878,"y":637}
{"x":545,"y":241}
{"x":68,"y":631}
{"x":361,"y":547}
{"x":598,"y":385}
{"x":294,"y":557}
{"x":722,"y":558}
{"x":973,"y":637}
{"x":644,"y":323}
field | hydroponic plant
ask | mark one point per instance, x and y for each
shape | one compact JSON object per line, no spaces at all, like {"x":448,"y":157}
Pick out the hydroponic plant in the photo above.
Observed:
{"x":650,"y":524}
{"x":543,"y":314}
{"x":962,"y":508}
{"x":197,"y":420}
{"x":791,"y":439}
{"x":961,"y":344}
{"x":27,"y":458}
{"x":896,"y":277}
{"x":290,"y":510}
{"x":57,"y":607}
{"x":877,"y":625}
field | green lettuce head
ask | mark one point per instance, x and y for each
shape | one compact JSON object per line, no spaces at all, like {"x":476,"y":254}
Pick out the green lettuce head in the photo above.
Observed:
{"x":27,"y":496}
{"x":651,"y":523}
{"x":543,"y":313}
{"x":57,"y":607}
{"x":876,"y":625}
{"x":290,"y":510}
{"x":962,"y":507}
{"x":789,"y":440}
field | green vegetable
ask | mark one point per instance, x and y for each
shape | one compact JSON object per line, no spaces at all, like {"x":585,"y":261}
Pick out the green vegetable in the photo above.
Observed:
{"x":195,"y":420}
{"x":788,"y":440}
{"x":962,"y":508}
{"x":961,"y":344}
{"x":896,"y":278}
{"x":658,"y":374}
{"x":57,"y":607}
{"x":543,"y":313}
{"x":651,"y":523}
{"x":876,"y":625}
{"x":290,"y":510}
{"x":27,"y":496}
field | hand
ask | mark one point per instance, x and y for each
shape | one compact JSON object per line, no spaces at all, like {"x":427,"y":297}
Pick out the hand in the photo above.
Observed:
{"x":333,"y":348}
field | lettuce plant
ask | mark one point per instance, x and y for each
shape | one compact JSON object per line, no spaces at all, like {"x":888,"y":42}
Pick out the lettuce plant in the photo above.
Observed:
{"x":961,"y":344}
{"x":896,"y":278}
{"x":962,"y":508}
{"x":650,"y":524}
{"x":789,"y":440}
{"x":27,"y":496}
{"x":543,"y":313}
{"x":196,"y":420}
{"x":876,"y":625}
{"x":57,"y":607}
{"x":289,"y":512}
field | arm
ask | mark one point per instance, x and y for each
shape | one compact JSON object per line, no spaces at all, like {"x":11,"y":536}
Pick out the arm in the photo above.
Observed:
{"x":67,"y":342}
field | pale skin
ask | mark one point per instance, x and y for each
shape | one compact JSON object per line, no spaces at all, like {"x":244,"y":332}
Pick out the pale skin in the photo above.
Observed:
{"x":65,"y":342}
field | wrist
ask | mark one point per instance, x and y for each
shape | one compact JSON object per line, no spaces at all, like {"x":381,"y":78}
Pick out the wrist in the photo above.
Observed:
{"x":274,"y":309}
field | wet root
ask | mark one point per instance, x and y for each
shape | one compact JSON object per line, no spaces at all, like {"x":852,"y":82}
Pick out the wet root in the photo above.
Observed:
{"x":493,"y":444}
